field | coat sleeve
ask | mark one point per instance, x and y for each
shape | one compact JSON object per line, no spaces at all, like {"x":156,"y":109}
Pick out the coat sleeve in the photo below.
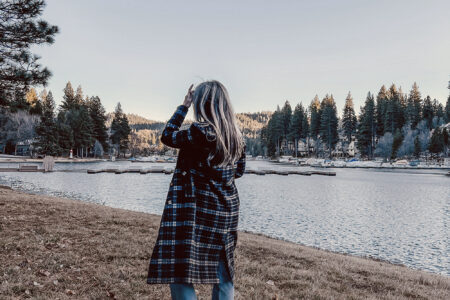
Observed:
{"x":173,"y":137}
{"x":240,"y":165}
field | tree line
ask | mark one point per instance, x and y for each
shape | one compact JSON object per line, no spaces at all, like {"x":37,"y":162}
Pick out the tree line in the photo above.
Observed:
{"x":391,"y":124}
{"x":79,"y":124}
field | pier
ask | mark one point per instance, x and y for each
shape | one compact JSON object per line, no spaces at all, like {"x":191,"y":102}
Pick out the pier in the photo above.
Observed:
{"x":23,"y":169}
{"x":169,"y":170}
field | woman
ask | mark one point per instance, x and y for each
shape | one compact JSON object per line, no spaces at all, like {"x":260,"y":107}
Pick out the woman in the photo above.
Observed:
{"x":198,"y":230}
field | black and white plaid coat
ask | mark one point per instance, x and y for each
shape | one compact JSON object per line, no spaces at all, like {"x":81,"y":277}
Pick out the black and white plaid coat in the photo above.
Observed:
{"x":200,"y":216}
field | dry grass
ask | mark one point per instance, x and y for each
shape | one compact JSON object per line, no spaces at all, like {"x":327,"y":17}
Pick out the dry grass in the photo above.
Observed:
{"x":63,"y":249}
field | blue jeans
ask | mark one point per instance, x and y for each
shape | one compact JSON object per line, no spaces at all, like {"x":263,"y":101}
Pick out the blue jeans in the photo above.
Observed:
{"x":221,"y":291}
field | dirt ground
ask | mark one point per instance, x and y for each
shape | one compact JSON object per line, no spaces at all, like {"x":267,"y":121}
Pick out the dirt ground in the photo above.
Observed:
{"x":53,"y":248}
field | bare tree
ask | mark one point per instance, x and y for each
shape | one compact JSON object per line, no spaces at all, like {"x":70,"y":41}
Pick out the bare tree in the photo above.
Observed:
{"x":384,"y":146}
{"x":20,"y":127}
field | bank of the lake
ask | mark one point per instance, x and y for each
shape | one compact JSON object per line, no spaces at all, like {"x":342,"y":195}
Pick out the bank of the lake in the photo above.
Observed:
{"x":395,"y":215}
{"x":58,"y":248}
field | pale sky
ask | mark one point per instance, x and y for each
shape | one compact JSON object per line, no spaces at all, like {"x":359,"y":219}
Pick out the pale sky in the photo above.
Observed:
{"x":145,"y":54}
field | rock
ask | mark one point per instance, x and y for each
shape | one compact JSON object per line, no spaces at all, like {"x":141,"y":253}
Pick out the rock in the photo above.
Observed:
{"x":44,"y":273}
{"x":70,"y":292}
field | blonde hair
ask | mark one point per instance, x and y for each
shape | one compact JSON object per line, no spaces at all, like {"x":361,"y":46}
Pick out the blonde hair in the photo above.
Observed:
{"x":212,"y":105}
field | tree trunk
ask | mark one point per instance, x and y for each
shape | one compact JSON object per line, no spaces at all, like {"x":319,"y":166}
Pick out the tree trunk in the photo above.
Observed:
{"x":278,"y":146}
{"x":307,"y":146}
{"x":296,"y":147}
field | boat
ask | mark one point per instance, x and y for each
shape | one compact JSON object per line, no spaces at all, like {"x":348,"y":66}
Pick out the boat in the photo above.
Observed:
{"x":318,"y":163}
{"x":402,"y":162}
{"x":326,"y":163}
{"x":414,"y":163}
{"x":283,"y":160}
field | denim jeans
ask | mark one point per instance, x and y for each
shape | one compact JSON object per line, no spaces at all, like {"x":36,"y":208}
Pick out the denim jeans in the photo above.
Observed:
{"x":221,"y":291}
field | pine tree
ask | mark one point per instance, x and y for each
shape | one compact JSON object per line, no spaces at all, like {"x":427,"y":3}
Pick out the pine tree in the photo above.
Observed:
{"x":18,"y":102}
{"x":436,"y":142}
{"x":65,"y":133}
{"x":381,"y":106}
{"x":120,"y":129}
{"x":367,"y":127}
{"x":77,"y":120}
{"x":22,"y":28}
{"x":83,"y":131}
{"x":427,"y":111}
{"x":34,"y":104}
{"x":47,"y":130}
{"x":296,"y":130}
{"x":349,"y":120}
{"x":274,"y":132}
{"x":315,"y":116}
{"x":286,"y":115}
{"x":417,"y":147}
{"x":79,"y":96}
{"x":398,"y":139}
{"x":98,"y":117}
{"x":403,"y":98}
{"x":305,"y":126}
{"x":329,"y":123}
{"x":447,"y":110}
{"x":395,"y":118}
{"x":438,"y":109}
{"x":68,"y":102}
{"x":414,"y":106}
{"x":445,"y":139}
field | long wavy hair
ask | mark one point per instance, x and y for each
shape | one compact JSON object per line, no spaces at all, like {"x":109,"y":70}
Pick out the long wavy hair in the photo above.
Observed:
{"x":212,"y":105}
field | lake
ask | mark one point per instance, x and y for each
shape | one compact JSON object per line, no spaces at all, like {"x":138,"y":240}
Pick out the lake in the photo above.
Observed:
{"x":402,"y":216}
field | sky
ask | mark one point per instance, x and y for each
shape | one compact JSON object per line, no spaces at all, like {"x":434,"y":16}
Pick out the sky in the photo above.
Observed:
{"x":145,"y":54}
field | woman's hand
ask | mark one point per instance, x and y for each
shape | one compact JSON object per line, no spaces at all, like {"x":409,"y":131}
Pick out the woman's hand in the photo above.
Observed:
{"x":188,"y":98}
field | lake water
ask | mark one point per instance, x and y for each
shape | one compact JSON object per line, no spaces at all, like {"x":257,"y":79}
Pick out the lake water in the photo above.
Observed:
{"x":401,"y":216}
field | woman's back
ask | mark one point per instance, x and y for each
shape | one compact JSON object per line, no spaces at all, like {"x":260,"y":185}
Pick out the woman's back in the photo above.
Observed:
{"x":198,"y":231}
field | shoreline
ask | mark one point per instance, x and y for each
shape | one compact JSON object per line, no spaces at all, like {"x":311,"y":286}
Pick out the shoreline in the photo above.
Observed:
{"x":60,"y":248}
{"x":57,"y":160}
{"x":7,"y":160}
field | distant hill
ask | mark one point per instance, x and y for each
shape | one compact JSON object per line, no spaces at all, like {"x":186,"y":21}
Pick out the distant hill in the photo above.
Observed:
{"x":138,"y":122}
{"x":148,"y":131}
{"x":250,"y":123}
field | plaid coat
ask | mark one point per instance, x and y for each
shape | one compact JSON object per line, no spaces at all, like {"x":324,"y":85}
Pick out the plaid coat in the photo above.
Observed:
{"x":200,"y":216}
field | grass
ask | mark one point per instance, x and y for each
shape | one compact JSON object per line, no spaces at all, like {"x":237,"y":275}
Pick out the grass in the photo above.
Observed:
{"x":53,"y":248}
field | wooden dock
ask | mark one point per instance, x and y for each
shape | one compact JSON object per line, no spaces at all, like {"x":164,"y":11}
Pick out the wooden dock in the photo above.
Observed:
{"x":22,"y":169}
{"x":168,"y":170}
{"x":325,"y":173}
{"x":288,"y":172}
{"x":155,"y":169}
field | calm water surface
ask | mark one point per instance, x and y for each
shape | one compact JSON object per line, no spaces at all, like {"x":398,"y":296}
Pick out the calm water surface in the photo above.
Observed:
{"x":400,"y":216}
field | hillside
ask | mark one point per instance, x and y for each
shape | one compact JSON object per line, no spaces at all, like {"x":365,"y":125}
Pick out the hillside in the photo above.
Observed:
{"x":147,"y":132}
{"x":250,"y":123}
